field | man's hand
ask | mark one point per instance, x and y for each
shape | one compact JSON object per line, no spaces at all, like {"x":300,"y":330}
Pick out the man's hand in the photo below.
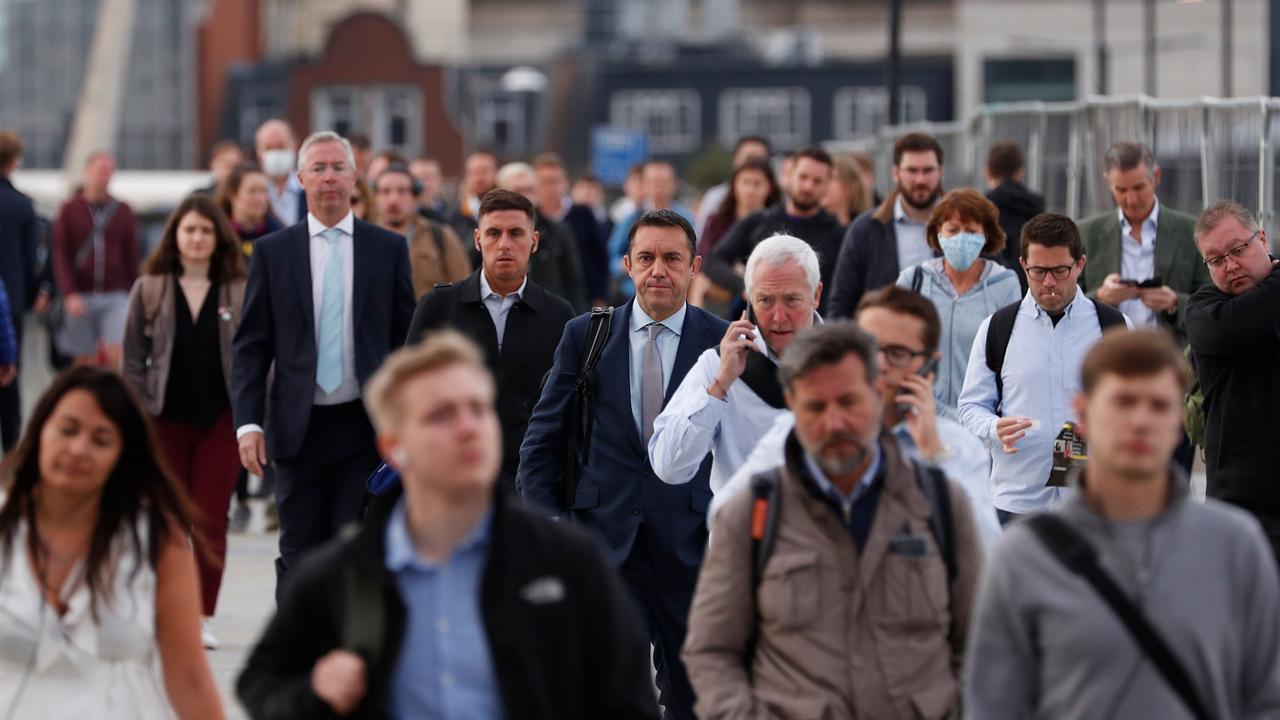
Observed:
{"x":1010,"y":430}
{"x":74,"y":305}
{"x":922,"y":418}
{"x":338,"y":679}
{"x":1114,"y":292}
{"x":1160,"y":299}
{"x":738,"y":339}
{"x":253,"y":452}
{"x":7,"y":374}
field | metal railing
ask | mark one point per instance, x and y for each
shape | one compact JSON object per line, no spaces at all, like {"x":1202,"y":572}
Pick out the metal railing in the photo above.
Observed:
{"x":1207,"y":149}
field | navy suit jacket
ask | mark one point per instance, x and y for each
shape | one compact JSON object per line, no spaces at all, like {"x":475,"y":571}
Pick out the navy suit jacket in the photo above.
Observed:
{"x":19,"y":235}
{"x":617,"y":488}
{"x":278,"y":326}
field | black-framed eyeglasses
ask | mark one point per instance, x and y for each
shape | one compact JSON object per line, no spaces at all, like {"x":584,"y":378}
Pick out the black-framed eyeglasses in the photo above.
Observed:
{"x":1218,"y":261}
{"x":898,"y":356}
{"x":1059,"y":272}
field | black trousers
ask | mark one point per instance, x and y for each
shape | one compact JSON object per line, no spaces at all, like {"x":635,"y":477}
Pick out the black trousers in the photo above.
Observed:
{"x":319,"y":490}
{"x":11,"y":401}
{"x":664,"y":611}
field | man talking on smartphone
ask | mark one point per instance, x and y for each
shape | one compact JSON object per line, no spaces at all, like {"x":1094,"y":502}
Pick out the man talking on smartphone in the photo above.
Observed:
{"x":732,"y":396}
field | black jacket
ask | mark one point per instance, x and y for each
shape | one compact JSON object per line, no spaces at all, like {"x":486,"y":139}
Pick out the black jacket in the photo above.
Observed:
{"x":592,"y":251}
{"x":822,"y":232}
{"x":1017,"y":205}
{"x":582,"y":656}
{"x":868,"y":259}
{"x":533,"y":330}
{"x":1236,"y":342}
{"x":19,"y":236}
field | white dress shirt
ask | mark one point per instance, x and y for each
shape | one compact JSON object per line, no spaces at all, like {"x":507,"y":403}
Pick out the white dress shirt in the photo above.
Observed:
{"x":668,"y":343}
{"x":967,"y":463}
{"x":912,"y":247}
{"x":1138,"y":262}
{"x":350,"y":388}
{"x":695,"y":422}
{"x":1041,"y":377}
{"x":499,"y":307}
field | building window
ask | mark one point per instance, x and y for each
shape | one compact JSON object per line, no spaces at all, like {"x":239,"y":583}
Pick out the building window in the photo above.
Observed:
{"x":391,"y":115}
{"x":1016,"y":80}
{"x":779,"y":114}
{"x":671,"y":118}
{"x":255,"y":109}
{"x":862,"y":111}
{"x":500,"y":123}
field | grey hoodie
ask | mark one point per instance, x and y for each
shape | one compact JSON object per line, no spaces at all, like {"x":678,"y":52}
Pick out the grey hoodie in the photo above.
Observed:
{"x":961,"y":317}
{"x":1044,"y":644}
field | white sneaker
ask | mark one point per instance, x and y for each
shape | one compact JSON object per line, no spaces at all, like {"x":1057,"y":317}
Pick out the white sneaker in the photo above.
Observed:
{"x":207,"y":637}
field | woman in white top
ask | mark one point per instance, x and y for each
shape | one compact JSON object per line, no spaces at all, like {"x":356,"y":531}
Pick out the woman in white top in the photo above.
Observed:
{"x":99,"y":599}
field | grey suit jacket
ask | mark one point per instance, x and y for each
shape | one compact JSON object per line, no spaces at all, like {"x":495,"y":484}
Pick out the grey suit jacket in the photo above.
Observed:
{"x":1177,"y":260}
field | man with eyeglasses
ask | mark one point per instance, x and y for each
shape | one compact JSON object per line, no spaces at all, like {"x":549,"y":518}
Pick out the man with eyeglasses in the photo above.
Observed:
{"x":1018,"y":404}
{"x":1234,"y":329}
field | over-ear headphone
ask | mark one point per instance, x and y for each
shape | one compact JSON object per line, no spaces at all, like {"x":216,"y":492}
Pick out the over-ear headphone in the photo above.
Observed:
{"x":399,"y":167}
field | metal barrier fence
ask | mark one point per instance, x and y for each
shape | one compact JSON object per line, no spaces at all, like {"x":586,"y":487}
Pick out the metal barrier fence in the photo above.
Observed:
{"x":1208,"y":149}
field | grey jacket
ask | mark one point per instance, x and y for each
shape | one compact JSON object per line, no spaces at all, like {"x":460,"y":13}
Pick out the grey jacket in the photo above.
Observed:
{"x":877,"y":634}
{"x":1045,"y":645}
{"x":149,"y":329}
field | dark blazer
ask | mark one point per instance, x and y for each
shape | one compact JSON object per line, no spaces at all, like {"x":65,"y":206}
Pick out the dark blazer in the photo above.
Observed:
{"x":1017,"y":204}
{"x":533,"y":330}
{"x":1177,"y":259}
{"x":578,"y":654}
{"x":19,"y":236}
{"x":617,"y":488}
{"x":593,"y":252}
{"x":278,"y":326}
{"x":868,"y":259}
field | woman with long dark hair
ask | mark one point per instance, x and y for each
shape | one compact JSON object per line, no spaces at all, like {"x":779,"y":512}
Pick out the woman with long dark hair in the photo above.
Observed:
{"x":183,"y":314}
{"x":97,"y":579}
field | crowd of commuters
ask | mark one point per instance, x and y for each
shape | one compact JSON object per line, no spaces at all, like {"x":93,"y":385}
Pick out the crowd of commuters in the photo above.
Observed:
{"x":789,"y":449}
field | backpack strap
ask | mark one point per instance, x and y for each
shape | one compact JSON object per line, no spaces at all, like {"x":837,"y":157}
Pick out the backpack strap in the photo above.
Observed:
{"x":1071,"y":549}
{"x":363,"y":631}
{"x":581,"y":415}
{"x":999,"y":330}
{"x":1108,"y":317}
{"x":933,"y":483}
{"x":766,"y":509}
{"x":761,"y":375}
{"x":917,"y":279}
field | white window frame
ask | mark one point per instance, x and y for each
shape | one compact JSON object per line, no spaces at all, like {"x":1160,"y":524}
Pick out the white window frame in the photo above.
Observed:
{"x":370,"y":113}
{"x":752,"y":111}
{"x":497,"y":107}
{"x":855,"y":109}
{"x":678,"y":113}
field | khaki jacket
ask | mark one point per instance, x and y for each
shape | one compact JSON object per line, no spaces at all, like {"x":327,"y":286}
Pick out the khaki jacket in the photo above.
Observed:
{"x":876,"y":635}
{"x":149,"y":330}
{"x":429,"y":268}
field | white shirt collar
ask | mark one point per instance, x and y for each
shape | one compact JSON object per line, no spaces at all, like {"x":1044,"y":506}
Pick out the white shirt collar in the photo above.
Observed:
{"x":1152,"y":220}
{"x":347,"y":224}
{"x":1069,"y":310}
{"x":900,"y":213}
{"x":639,"y":318}
{"x":486,"y":291}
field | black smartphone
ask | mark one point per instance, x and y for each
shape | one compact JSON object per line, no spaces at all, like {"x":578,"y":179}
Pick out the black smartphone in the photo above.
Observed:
{"x":751,"y":318}
{"x":930,"y":367}
{"x":1153,"y":282}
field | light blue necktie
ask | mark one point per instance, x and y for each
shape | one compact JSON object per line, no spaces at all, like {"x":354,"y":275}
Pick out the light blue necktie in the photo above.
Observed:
{"x":329,"y":342}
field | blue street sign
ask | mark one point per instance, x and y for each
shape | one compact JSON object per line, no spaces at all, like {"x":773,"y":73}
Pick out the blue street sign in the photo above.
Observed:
{"x":614,"y":150}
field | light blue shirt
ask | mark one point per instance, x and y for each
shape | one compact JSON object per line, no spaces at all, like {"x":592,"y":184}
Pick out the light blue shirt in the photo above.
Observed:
{"x":967,"y":463}
{"x":668,"y":342}
{"x":830,"y":490}
{"x":1138,"y":262}
{"x":1041,"y":376}
{"x":912,"y":247}
{"x":286,"y":203}
{"x":499,"y":307}
{"x":445,"y":669}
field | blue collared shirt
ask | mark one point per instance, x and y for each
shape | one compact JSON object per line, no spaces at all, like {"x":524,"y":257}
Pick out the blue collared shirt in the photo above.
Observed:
{"x":499,"y":307}
{"x":913,"y":249}
{"x":288,"y":202}
{"x":826,"y":486}
{"x":444,"y":669}
{"x":668,"y":342}
{"x":1041,"y":377}
{"x":1138,"y":262}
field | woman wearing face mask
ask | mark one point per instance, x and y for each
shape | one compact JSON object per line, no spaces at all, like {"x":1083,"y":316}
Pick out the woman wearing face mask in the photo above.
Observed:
{"x":183,"y":313}
{"x":245,"y":198}
{"x":963,"y":286}
{"x":99,"y":600}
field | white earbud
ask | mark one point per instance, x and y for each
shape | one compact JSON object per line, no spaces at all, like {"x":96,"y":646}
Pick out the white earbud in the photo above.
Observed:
{"x":399,"y":456}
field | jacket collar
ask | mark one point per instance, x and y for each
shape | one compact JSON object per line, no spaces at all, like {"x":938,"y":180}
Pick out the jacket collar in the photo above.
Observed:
{"x":532,"y":296}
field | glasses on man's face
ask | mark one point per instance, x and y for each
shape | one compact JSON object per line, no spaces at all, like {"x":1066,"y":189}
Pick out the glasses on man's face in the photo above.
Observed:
{"x":1217,"y":262}
{"x":1059,"y":272}
{"x":897,"y":356}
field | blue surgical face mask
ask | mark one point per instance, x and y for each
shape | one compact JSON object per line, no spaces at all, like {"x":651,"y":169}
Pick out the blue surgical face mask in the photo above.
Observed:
{"x":962,"y":249}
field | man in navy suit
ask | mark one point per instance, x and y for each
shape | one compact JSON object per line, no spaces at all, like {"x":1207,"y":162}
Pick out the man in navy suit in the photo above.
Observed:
{"x":655,"y":533}
{"x":327,"y":299}
{"x":19,"y":230}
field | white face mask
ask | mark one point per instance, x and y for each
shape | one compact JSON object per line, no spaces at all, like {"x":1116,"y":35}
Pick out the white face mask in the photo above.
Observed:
{"x":278,"y":163}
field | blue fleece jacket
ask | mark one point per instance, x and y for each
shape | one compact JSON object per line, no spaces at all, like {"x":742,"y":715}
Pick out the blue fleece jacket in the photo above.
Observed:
{"x":961,"y":317}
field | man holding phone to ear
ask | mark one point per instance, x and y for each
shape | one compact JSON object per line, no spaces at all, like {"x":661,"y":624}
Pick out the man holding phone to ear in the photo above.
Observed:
{"x":731,"y":396}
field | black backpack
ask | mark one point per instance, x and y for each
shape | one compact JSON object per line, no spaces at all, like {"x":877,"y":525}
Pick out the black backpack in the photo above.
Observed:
{"x":581,"y":415}
{"x":1000,"y":330}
